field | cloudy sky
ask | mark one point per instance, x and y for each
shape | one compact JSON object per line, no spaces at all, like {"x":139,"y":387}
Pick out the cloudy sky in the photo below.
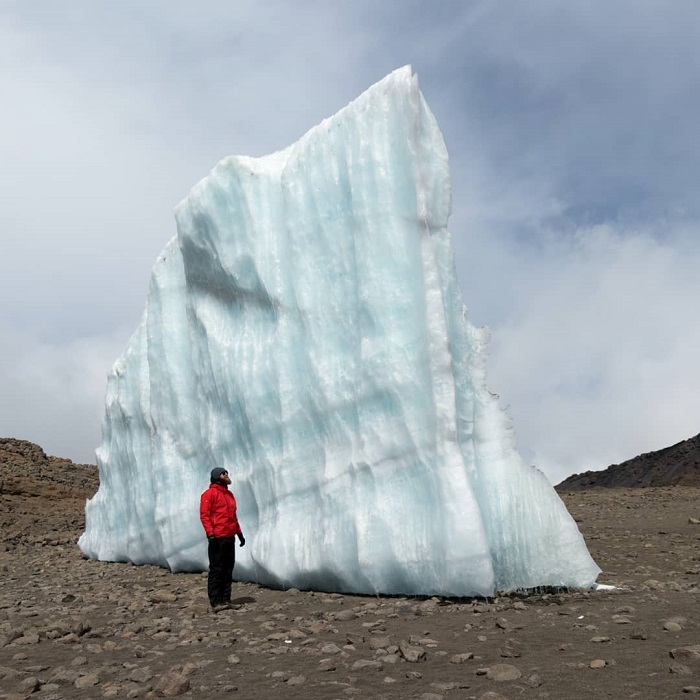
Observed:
{"x":575,"y":153}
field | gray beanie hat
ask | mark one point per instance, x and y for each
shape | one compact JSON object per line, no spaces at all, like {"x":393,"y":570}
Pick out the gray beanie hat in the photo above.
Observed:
{"x":216,"y":473}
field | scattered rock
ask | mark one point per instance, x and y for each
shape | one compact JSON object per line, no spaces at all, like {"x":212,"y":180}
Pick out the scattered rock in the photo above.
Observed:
{"x":379,"y":643}
{"x":411,"y":653}
{"x":680,"y":669}
{"x":87,"y":681}
{"x":326,"y":665}
{"x":690,"y":653}
{"x":503,"y":672}
{"x":172,"y":683}
{"x":511,"y":649}
{"x":30,"y":684}
{"x":367,"y":665}
{"x":345,"y":615}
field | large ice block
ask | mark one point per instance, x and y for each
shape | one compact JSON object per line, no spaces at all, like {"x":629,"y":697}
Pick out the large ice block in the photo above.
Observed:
{"x":305,"y":330}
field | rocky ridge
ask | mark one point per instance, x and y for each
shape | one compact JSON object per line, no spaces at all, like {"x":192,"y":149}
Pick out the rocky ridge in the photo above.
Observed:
{"x":42,"y":498}
{"x":678,"y":465}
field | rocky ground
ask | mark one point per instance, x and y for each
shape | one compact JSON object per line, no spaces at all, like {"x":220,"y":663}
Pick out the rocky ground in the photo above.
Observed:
{"x":74,"y":628}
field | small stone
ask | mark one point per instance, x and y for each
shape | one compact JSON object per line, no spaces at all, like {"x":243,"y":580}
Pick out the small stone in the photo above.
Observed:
{"x":461,"y":658}
{"x":69,"y":638}
{"x":597,"y":663}
{"x":172,"y":683}
{"x":331,"y":649}
{"x":490,"y":695}
{"x":30,"y":684}
{"x":672,"y":627}
{"x":444,"y":685}
{"x":691,"y":653}
{"x":30,"y":637}
{"x":599,"y":640}
{"x":412,"y":654}
{"x":693,"y":521}
{"x":345,"y":615}
{"x":366,"y":665}
{"x":503,"y":672}
{"x":427,"y":607}
{"x":679,"y":669}
{"x":692,"y":689}
{"x":297,"y":680}
{"x":326,"y":665}
{"x":414,"y":675}
{"x":87,"y":681}
{"x":379,"y":643}
{"x":80,"y":628}
{"x":233,"y":660}
{"x":511,"y":649}
{"x":533,"y":680}
{"x":64,"y":675}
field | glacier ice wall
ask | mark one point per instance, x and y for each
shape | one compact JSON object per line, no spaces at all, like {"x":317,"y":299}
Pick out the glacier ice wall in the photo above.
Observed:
{"x":305,"y":330}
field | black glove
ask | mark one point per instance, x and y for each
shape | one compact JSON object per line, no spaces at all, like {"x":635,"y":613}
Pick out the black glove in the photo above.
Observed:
{"x":241,"y":540}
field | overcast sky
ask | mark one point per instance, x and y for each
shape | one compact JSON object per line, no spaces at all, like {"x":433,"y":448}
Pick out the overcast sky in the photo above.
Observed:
{"x":573,"y":133}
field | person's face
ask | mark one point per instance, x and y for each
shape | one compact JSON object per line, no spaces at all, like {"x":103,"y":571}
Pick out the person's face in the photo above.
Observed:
{"x":225,"y":478}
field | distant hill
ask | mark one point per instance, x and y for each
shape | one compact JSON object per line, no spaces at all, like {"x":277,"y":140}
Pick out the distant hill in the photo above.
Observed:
{"x":26,"y":469}
{"x":678,"y":465}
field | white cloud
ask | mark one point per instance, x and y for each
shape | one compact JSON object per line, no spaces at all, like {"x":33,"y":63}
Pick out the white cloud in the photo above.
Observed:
{"x":53,"y":393}
{"x":572,"y":137}
{"x":597,"y":360}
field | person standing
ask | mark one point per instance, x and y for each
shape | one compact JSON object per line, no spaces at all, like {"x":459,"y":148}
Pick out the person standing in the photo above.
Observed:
{"x":217,"y":511}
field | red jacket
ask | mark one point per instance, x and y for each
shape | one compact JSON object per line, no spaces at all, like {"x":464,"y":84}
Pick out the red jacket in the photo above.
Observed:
{"x":217,"y":511}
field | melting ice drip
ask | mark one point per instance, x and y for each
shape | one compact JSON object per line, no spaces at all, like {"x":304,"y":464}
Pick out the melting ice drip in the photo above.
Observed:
{"x":305,"y":330}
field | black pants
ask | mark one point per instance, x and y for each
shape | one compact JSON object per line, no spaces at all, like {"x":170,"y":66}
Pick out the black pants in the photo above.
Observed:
{"x":222,"y":557}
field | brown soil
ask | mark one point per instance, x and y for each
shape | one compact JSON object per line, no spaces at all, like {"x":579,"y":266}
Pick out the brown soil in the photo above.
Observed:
{"x":75,"y":628}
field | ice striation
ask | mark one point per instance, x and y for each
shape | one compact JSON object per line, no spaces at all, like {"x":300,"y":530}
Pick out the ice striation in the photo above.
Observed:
{"x":305,"y":330}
